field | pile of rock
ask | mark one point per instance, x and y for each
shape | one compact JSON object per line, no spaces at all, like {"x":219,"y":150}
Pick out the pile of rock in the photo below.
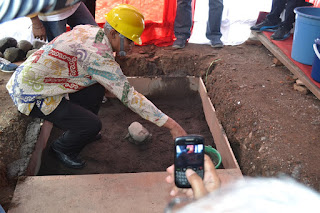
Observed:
{"x":14,"y":51}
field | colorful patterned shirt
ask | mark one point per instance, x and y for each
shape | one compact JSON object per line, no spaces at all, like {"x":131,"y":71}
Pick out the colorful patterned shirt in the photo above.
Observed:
{"x":72,"y":61}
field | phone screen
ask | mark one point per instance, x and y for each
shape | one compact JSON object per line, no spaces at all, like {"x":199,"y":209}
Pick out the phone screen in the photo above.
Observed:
{"x":189,"y":154}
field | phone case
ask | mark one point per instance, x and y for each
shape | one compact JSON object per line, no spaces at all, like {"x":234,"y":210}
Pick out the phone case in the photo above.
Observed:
{"x":189,"y":153}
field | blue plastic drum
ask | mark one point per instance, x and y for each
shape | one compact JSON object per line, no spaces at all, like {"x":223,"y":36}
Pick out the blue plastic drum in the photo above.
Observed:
{"x":307,"y":29}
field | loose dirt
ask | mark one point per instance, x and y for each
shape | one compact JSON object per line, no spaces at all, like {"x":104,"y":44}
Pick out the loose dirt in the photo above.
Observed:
{"x":115,"y":154}
{"x":272,"y":128}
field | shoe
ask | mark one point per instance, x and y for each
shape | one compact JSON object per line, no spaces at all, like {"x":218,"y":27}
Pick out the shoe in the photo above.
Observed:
{"x":266,"y":25}
{"x":281,"y":33}
{"x":7,"y":66}
{"x":218,"y":44}
{"x":179,"y":43}
{"x":68,"y":160}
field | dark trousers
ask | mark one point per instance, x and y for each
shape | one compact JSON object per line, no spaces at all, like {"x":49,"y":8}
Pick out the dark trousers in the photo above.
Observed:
{"x":289,"y":17}
{"x":77,"y":117}
{"x":183,"y":20}
{"x":91,"y":5}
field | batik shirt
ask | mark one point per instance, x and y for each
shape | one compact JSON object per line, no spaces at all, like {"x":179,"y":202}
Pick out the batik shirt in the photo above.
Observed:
{"x":72,"y":61}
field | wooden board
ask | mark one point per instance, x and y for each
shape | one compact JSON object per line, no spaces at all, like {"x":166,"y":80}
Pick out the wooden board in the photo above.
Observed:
{"x":128,"y":192}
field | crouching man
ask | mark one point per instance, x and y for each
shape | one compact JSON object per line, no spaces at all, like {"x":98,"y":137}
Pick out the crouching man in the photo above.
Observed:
{"x":64,"y":82}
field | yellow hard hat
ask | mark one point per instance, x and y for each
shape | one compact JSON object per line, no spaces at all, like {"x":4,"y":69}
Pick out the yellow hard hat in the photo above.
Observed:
{"x":127,"y":20}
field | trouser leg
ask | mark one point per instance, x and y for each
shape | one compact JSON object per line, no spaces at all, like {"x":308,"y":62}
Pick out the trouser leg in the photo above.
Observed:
{"x":80,"y":124}
{"x":213,"y":32}
{"x":183,"y":20}
{"x":81,"y":16}
{"x":277,"y":8}
{"x":89,"y":98}
{"x":54,"y":28}
{"x":91,"y":5}
{"x":289,"y":17}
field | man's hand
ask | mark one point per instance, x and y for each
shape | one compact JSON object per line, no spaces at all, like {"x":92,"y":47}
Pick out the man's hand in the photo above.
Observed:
{"x":200,"y":187}
{"x":38,"y":29}
{"x":175,"y":129}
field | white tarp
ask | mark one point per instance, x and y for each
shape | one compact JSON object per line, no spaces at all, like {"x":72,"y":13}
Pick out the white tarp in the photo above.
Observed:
{"x":238,"y":16}
{"x":20,"y":29}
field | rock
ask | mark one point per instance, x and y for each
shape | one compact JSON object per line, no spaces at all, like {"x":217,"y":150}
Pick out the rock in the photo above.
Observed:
{"x":301,"y":89}
{"x":6,"y":43}
{"x":14,"y":54}
{"x":30,"y":52}
{"x":277,"y":62}
{"x":137,"y":133}
{"x":25,"y":45}
{"x":38,"y":44}
{"x":299,"y":82}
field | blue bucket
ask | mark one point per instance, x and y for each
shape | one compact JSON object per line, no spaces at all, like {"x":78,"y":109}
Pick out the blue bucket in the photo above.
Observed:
{"x":315,"y":73}
{"x":307,"y":29}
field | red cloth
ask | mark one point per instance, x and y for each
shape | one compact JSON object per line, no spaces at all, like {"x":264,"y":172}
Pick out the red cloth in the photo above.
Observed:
{"x":159,"y":18}
{"x":316,"y":3}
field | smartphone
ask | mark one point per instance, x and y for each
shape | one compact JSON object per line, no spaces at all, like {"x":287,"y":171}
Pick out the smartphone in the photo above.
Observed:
{"x":189,"y":154}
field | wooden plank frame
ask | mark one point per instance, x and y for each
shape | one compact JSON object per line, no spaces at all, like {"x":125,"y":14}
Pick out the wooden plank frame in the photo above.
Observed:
{"x":220,"y":138}
{"x":148,"y":86}
{"x":140,"y":192}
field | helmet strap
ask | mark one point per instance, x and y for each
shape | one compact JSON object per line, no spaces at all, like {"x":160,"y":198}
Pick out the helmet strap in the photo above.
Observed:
{"x":122,"y":52}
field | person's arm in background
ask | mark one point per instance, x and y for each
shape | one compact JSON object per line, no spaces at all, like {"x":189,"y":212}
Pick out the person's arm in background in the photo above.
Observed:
{"x":200,"y":188}
{"x":38,"y":29}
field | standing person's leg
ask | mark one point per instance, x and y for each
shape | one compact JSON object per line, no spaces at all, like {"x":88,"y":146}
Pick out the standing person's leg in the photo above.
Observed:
{"x":81,"y":16}
{"x":277,"y":8}
{"x":273,"y":20}
{"x":54,"y":28}
{"x":289,"y":17}
{"x":91,"y":5}
{"x":213,"y":32}
{"x":182,"y":23}
{"x":283,"y":32}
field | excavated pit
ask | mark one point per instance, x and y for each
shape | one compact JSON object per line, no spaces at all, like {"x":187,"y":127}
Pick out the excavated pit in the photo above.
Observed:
{"x":128,"y":171}
{"x":115,"y":154}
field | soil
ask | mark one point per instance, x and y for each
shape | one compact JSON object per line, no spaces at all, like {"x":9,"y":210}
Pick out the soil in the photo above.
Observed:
{"x":115,"y":154}
{"x":272,"y":128}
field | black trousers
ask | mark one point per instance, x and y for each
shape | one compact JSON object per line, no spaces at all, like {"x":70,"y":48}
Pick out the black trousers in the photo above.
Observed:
{"x":91,"y":5}
{"x":77,"y":117}
{"x":289,"y":18}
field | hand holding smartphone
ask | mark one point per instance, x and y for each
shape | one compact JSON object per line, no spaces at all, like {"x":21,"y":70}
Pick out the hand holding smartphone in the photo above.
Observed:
{"x":189,"y":154}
